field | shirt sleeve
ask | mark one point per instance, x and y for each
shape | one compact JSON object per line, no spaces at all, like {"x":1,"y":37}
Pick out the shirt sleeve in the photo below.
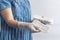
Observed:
{"x":4,"y":4}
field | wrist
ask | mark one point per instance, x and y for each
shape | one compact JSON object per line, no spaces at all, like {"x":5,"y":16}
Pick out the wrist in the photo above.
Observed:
{"x":23,"y":24}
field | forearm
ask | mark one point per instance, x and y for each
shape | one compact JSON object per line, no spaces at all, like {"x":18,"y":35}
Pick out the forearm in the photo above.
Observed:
{"x":15,"y":24}
{"x":9,"y":19}
{"x":12,"y":23}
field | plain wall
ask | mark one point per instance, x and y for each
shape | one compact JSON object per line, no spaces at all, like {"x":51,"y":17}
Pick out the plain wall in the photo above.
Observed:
{"x":48,"y":8}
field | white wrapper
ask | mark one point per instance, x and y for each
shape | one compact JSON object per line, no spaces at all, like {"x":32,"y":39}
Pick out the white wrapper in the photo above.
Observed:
{"x":43,"y":19}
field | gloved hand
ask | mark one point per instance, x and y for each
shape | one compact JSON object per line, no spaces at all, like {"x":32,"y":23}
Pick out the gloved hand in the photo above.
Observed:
{"x":30,"y":26}
{"x":40,"y":26}
{"x":33,"y":28}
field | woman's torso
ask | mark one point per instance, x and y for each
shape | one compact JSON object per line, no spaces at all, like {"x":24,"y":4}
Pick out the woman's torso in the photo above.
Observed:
{"x":21,"y":12}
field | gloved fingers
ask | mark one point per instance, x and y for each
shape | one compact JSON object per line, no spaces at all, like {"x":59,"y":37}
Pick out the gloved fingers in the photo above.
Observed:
{"x":33,"y":30}
{"x":37,"y":28}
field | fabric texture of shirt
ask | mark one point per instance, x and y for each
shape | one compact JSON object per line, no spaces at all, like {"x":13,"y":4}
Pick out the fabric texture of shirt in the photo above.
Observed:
{"x":21,"y":12}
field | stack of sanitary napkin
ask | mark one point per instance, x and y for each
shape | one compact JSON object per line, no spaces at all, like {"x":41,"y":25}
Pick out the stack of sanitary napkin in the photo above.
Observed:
{"x":42,"y":22}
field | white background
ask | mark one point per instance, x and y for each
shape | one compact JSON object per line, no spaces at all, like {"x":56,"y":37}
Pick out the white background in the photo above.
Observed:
{"x":48,"y":8}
